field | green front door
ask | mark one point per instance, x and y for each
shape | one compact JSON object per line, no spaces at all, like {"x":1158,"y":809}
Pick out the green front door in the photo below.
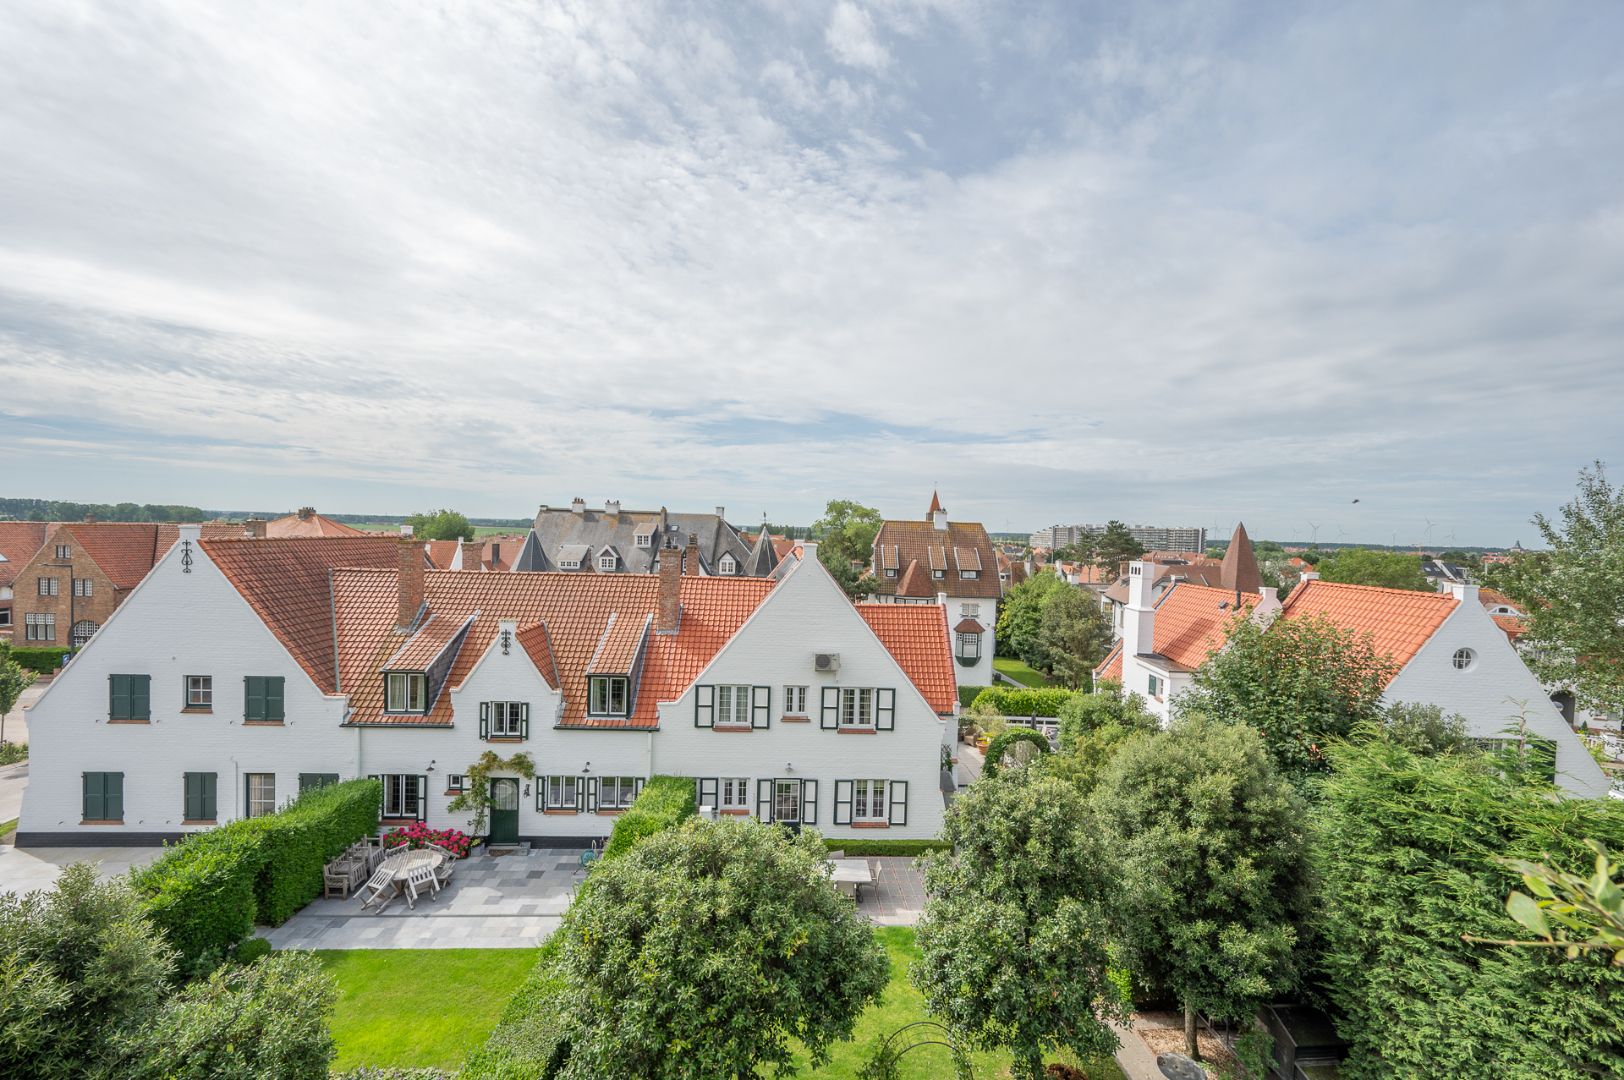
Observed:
{"x":504,"y":811}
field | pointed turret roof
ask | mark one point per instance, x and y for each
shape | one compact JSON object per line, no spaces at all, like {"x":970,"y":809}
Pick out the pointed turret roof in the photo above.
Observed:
{"x":531,"y":558}
{"x":1239,"y":573}
{"x":935,"y":504}
{"x":763,"y":557}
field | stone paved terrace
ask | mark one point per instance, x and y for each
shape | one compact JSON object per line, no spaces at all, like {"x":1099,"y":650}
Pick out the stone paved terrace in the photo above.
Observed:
{"x":25,"y":870}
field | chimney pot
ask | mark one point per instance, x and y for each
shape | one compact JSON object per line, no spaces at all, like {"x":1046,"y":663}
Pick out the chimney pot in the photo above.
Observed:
{"x":90,"y":519}
{"x":577,"y":505}
{"x":306,"y":513}
{"x":254,"y":527}
{"x":611,"y":506}
{"x":410,"y":580}
{"x":669,"y":616}
{"x":690,"y":563}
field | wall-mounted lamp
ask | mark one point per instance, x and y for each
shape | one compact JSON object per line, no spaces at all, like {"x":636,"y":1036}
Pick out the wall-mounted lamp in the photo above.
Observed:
{"x":586,"y":768}
{"x":527,"y":791}
{"x":789,"y":767}
{"x":431,"y":764}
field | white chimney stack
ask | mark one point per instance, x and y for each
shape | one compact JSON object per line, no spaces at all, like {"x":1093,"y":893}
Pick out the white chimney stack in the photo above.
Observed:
{"x":577,"y":505}
{"x":1139,"y":616}
{"x":406,"y":532}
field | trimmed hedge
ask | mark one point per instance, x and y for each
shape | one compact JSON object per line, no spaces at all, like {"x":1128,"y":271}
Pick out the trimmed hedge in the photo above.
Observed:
{"x":526,"y":1043}
{"x":995,"y":749}
{"x":664,"y":802}
{"x":1011,"y":701}
{"x":41,"y":658}
{"x":207,"y":891}
{"x":885,"y":847}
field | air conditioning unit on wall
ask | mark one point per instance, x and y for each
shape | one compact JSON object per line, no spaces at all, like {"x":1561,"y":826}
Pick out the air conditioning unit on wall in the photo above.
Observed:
{"x":826,"y":662}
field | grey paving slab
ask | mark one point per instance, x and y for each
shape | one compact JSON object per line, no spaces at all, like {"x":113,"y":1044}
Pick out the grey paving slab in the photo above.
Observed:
{"x":24,"y":870}
{"x":897,"y":895}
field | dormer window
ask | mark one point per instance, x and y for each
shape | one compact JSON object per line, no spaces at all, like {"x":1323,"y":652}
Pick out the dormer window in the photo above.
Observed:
{"x":607,"y":562}
{"x":569,"y":564}
{"x":938,"y":574}
{"x":645,"y":539}
{"x":727,"y":565}
{"x":608,"y":695}
{"x":969,"y":573}
{"x":890,"y":572}
{"x":405,"y":692}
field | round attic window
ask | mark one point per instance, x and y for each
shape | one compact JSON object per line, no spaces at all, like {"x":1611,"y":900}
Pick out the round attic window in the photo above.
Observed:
{"x":1464,"y":659}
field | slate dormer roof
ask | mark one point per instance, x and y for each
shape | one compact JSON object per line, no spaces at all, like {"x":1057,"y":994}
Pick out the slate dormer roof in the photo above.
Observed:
{"x":558,"y":528}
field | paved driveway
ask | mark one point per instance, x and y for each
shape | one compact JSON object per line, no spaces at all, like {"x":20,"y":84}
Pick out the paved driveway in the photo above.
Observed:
{"x":25,"y":870}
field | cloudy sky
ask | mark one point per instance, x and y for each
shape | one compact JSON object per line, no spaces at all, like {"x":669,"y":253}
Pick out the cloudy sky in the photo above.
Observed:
{"x":1179,"y":264}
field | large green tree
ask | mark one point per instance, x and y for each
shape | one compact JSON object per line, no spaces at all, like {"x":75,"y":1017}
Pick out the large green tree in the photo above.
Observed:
{"x":708,"y":951}
{"x":1020,"y":616}
{"x":1013,"y":942}
{"x":1301,"y":682}
{"x":1115,"y":546}
{"x":1575,"y":594}
{"x":440,"y":525}
{"x":1093,"y":727}
{"x":1073,"y":635}
{"x":845,"y":535}
{"x":1363,"y":566}
{"x":1210,"y":840}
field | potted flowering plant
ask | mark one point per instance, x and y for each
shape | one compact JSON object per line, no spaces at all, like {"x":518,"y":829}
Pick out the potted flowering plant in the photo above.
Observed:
{"x":417,"y":834}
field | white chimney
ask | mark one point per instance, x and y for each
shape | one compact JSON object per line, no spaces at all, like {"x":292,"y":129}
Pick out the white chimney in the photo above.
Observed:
{"x":721,"y":512}
{"x":611,"y":506}
{"x":1464,"y":591}
{"x":406,"y":532}
{"x":938,"y":518}
{"x":1139,"y":614}
{"x":577,"y":505}
{"x":191,"y":532}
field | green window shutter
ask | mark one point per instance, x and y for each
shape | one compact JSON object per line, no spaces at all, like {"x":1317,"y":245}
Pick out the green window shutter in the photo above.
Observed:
{"x":422,"y":798}
{"x":592,"y":793}
{"x":253,"y":691}
{"x":885,"y":709}
{"x":113,"y":794}
{"x":118,"y":697}
{"x":210,"y":791}
{"x":898,"y":790}
{"x":273,"y":699}
{"x":830,"y":718}
{"x":637,"y":787}
{"x":484,"y":719}
{"x":140,"y":697}
{"x":809,"y":802}
{"x":764,"y":800}
{"x":200,"y":796}
{"x":95,"y":807}
{"x":704,"y":706}
{"x":192,"y":802}
{"x":761,"y":700}
{"x":524,"y":719}
{"x":843,"y":800}
{"x":707,"y":791}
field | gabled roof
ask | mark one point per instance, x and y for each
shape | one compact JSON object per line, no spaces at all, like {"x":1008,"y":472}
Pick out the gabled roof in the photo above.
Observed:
{"x":1515,"y":626}
{"x":557,"y":527}
{"x":967,"y":545}
{"x":916,"y":583}
{"x":534,"y":641}
{"x":305,"y":522}
{"x":19,"y":541}
{"x":425,"y":646}
{"x":619,"y":645}
{"x":285,"y":582}
{"x":1192,"y":622}
{"x":763,"y":555}
{"x":916,"y":635}
{"x":1399,"y":621}
{"x":125,"y":551}
{"x":532,"y":559}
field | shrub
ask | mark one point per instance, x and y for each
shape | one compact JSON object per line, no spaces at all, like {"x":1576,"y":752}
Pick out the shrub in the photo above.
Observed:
{"x":200,"y":892}
{"x":267,"y":1021}
{"x":664,"y":802}
{"x":885,"y":847}
{"x":252,"y":949}
{"x":300,"y":839}
{"x":41,"y":658}
{"x":13,"y":752}
{"x":1007,"y":741}
{"x":417,"y":834}
{"x":1024,"y":701}
{"x":527,"y":1042}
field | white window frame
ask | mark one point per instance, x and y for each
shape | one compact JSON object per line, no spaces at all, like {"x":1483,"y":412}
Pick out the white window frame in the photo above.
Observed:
{"x":734,"y":793}
{"x":1154,"y":686}
{"x":49,"y":586}
{"x":869,"y":801}
{"x":890,"y":573}
{"x":399,"y":687}
{"x":938,"y":574}
{"x":64,"y":551}
{"x":507,"y":719}
{"x":644,"y":540}
{"x":969,"y":646}
{"x":403,"y":795}
{"x":727,"y":565}
{"x":264,"y":801}
{"x":83,"y":586}
{"x":969,"y":573}
{"x":5,"y":616}
{"x":37,"y":623}
{"x":569,"y":564}
{"x":1464,"y":659}
{"x":969,"y":611}
{"x":602,"y":692}
{"x":456,"y":781}
{"x":556,"y":789}
{"x":616,"y":792}
{"x":200,"y":691}
{"x":795,"y":701}
{"x":607,"y":562}
{"x":733,"y":704}
{"x":855,"y":701}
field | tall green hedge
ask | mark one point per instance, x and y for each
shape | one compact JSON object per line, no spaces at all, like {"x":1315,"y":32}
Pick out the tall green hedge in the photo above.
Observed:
{"x":41,"y":658}
{"x":663,"y":803}
{"x":1035,"y":701}
{"x":207,"y":891}
{"x":527,"y":1042}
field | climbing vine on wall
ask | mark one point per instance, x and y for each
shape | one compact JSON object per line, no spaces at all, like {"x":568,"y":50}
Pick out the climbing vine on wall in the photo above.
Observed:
{"x":476,"y":792}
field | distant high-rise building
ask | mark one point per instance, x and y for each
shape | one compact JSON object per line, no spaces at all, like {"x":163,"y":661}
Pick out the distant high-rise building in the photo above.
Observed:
{"x":1152,"y":537}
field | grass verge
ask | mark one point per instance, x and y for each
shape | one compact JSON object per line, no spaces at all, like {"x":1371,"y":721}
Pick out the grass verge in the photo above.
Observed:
{"x":1021,"y":672}
{"x":7,"y":827}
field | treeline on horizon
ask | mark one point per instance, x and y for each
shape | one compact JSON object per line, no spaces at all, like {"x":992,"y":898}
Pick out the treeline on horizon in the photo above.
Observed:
{"x":57,"y":510}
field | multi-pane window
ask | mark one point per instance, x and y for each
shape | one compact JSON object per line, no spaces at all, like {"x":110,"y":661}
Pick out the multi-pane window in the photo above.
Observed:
{"x":606,"y":562}
{"x":607,"y":696}
{"x":794,"y":701}
{"x":63,"y":551}
{"x":733,"y":705}
{"x":1154,"y":686}
{"x":49,"y":586}
{"x":616,"y":792}
{"x":457,"y":782}
{"x":735,"y":793}
{"x":262,"y":698}
{"x":261,"y":794}
{"x":969,"y":573}
{"x":39,"y":626}
{"x":559,"y":792}
{"x":969,"y":611}
{"x":200,"y":691}
{"x":310,"y":781}
{"x":507,"y":719}
{"x":868,"y":800}
{"x":402,"y":796}
{"x":103,"y":796}
{"x":856,"y":707}
{"x":890,"y":571}
{"x":969,"y":646}
{"x":129,"y":697}
{"x":405,"y":691}
{"x":726,"y":565}
{"x":5,"y":616}
{"x":938,"y":574}
{"x":82,"y":586}
{"x":198,"y":803}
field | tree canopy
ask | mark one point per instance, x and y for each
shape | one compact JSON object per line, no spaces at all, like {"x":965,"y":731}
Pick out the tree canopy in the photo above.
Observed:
{"x":1210,"y":841}
{"x":14,"y":679}
{"x":440,"y":525}
{"x":1364,"y":566}
{"x":706,"y":951}
{"x":1115,"y":546}
{"x":845,"y":535}
{"x":1013,"y":942}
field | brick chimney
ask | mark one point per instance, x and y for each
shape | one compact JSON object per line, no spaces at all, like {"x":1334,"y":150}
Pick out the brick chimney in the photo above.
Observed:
{"x":470,"y":555}
{"x":690,"y":560}
{"x":254,"y":527}
{"x":410,"y":578}
{"x":669,"y":616}
{"x":306,"y":513}
{"x":90,"y":519}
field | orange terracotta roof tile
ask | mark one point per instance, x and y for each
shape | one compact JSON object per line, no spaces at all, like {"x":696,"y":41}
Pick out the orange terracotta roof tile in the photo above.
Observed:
{"x":307,"y":523}
{"x":1399,"y":621}
{"x":916,"y":583}
{"x":621,"y":642}
{"x":20,"y":541}
{"x":125,"y":551}
{"x":433,"y":636}
{"x":1494,"y":597}
{"x":916,"y":635}
{"x":968,"y":626}
{"x":285,"y":582}
{"x":1515,"y":626}
{"x":1111,"y":667}
{"x":966,"y":544}
{"x":1192,"y":621}
{"x":534,"y":641}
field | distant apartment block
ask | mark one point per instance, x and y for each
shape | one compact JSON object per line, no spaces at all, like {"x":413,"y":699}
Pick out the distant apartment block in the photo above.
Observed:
{"x":1152,"y":537}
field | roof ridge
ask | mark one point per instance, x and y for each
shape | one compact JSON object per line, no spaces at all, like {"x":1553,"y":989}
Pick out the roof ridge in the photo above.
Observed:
{"x":1379,"y":588}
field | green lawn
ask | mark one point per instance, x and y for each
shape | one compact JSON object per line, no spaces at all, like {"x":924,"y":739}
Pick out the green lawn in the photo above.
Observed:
{"x":419,"y":1007}
{"x":1020,"y":671}
{"x":430,"y":1007}
{"x":7,"y":826}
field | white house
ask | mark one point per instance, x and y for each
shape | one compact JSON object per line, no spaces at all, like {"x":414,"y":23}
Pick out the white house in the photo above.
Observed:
{"x":1448,"y":649}
{"x":242,"y":671}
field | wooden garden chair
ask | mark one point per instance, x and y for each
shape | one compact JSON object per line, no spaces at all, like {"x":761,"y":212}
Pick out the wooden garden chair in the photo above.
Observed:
{"x":420,"y":879}
{"x":382,"y":881}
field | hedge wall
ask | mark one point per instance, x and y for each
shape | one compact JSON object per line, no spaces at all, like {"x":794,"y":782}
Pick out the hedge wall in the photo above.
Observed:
{"x":41,"y":658}
{"x":1013,"y":701}
{"x":207,"y":891}
{"x":856,"y":848}
{"x":663,"y":803}
{"x":526,"y":1043}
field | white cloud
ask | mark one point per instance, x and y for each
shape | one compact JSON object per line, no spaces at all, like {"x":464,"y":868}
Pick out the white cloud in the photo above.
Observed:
{"x":852,"y":39}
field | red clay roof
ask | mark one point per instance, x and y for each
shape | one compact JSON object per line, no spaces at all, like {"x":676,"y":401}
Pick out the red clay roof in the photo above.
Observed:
{"x":425,"y":646}
{"x":574,"y":608}
{"x":308,"y":523}
{"x":285,"y":582}
{"x":20,"y":541}
{"x":1515,"y":626}
{"x":969,"y":548}
{"x":618,"y":648}
{"x":1192,"y":621}
{"x":1399,"y":621}
{"x":1111,"y":666}
{"x":533,"y":640}
{"x":916,"y":635}
{"x":916,"y":583}
{"x":968,"y":626}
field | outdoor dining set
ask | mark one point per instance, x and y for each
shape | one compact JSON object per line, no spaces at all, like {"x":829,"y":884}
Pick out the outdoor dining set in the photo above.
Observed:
{"x":382,"y":874}
{"x":850,"y":875}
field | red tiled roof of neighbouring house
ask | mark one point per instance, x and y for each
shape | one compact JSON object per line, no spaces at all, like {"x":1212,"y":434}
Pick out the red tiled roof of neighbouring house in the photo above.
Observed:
{"x":20,"y":541}
{"x":916,"y":635}
{"x":617,"y":649}
{"x":1111,"y":666}
{"x":425,"y":645}
{"x":534,"y":641}
{"x":966,"y":547}
{"x":1496,"y":598}
{"x":305,"y":522}
{"x":969,"y":626}
{"x":441,"y":552}
{"x":1515,"y":626}
{"x":1399,"y":621}
{"x":916,"y":583}
{"x":1192,"y":621}
{"x":285,"y":582}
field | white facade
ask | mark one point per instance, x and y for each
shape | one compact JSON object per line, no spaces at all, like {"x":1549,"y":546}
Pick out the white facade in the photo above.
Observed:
{"x":191,"y":621}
